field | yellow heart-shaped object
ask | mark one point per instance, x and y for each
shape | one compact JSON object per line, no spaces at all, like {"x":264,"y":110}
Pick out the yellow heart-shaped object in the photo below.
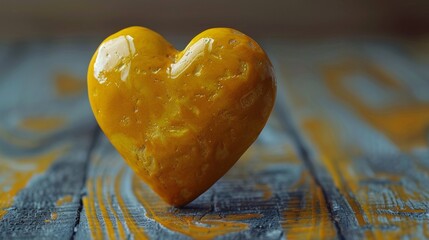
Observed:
{"x":181,"y":119}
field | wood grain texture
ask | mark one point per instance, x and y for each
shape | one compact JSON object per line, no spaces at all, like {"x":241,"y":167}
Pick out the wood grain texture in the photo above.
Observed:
{"x":268,"y":194}
{"x":362,"y":117}
{"x":46,"y":132}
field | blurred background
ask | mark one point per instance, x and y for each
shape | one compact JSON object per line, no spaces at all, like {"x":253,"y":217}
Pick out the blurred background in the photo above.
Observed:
{"x":297,"y":19}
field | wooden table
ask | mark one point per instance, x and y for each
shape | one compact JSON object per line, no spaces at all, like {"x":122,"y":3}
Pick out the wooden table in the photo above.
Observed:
{"x":344,"y":156}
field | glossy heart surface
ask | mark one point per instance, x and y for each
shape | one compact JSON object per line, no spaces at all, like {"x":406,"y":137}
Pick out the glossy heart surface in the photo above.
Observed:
{"x":181,"y":119}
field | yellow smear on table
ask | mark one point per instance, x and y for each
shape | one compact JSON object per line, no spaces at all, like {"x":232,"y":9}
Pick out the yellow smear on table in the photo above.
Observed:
{"x":308,"y":218}
{"x":119,"y":223}
{"x":95,"y":201}
{"x":54,"y":216}
{"x":67,"y":84}
{"x":63,"y":200}
{"x":16,"y":173}
{"x":336,"y":161}
{"x":207,"y":227}
{"x":91,"y":211}
{"x":11,"y":138}
{"x":340,"y":166}
{"x":406,"y":124}
{"x":42,"y":124}
{"x":137,"y":231}
{"x":241,"y":217}
{"x":103,"y":208}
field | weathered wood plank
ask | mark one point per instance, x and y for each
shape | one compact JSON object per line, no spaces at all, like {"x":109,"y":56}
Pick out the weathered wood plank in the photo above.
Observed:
{"x":363,"y":119}
{"x":46,"y":130}
{"x":268,"y":194}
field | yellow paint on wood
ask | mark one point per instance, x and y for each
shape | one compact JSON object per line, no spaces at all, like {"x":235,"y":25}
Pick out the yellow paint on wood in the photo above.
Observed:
{"x":336,"y":161}
{"x":103,"y":209}
{"x":16,"y":173}
{"x":11,"y":138}
{"x":89,"y":203}
{"x":68,"y":85}
{"x":98,"y":201}
{"x":137,"y":231}
{"x":54,"y":216}
{"x":340,"y":165}
{"x":121,"y":231}
{"x":308,"y":218}
{"x":406,"y":124}
{"x":65,"y":199}
{"x":208,"y":227}
{"x":42,"y":123}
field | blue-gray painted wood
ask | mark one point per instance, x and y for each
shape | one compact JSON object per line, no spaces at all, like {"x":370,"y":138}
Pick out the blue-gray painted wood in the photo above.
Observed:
{"x":28,"y":91}
{"x":373,"y":155}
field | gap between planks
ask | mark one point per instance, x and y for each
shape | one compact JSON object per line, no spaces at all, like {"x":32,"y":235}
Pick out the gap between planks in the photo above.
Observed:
{"x":281,"y":108}
{"x":95,"y":138}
